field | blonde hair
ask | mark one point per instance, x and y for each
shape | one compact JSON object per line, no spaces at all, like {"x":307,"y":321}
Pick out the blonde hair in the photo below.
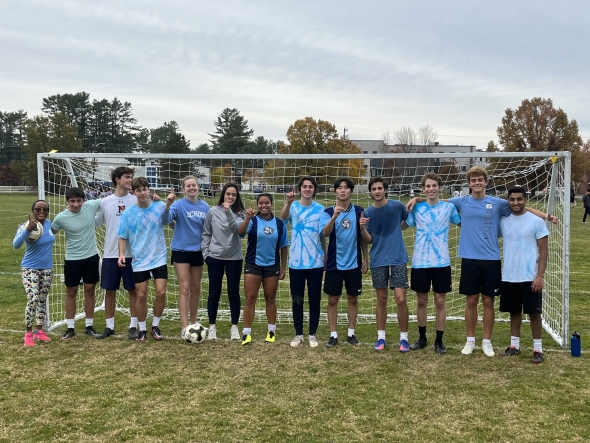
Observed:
{"x":477,"y":171}
{"x":189,"y":177}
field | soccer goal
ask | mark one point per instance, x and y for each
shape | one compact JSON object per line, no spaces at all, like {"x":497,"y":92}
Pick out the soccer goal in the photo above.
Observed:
{"x":545,"y":176}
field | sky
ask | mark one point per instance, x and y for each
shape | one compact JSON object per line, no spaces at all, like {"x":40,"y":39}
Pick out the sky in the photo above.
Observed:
{"x":371,"y":67}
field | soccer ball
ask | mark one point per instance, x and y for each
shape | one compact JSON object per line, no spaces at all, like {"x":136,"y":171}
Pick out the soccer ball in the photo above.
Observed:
{"x":36,"y":233}
{"x":195,"y":333}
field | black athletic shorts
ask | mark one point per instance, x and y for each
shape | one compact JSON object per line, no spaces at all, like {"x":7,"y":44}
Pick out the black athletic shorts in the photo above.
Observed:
{"x":85,"y":269}
{"x":352,"y":279}
{"x":160,"y":272}
{"x":480,"y":277}
{"x":439,"y":278}
{"x":519,"y":297}
{"x":194,"y":258}
{"x":262,"y":271}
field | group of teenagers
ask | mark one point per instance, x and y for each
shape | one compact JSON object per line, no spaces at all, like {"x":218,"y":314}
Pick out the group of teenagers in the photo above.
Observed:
{"x":327,"y":245}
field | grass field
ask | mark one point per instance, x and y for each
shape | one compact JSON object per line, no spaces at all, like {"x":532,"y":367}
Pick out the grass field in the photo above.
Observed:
{"x":115,"y":390}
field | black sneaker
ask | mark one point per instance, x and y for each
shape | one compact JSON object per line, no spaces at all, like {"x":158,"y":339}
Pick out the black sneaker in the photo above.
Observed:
{"x":69,"y":334}
{"x":538,"y":357}
{"x":440,"y":348}
{"x":421,"y":343}
{"x":332,"y":342}
{"x":90,"y":331}
{"x":141,"y":336}
{"x":106,"y":333}
{"x":352,"y":340}
{"x":132,"y":333}
{"x":156,"y":333}
{"x":511,"y":351}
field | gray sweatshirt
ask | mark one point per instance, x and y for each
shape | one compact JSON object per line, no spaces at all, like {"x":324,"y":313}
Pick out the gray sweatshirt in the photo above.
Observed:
{"x":220,"y":234}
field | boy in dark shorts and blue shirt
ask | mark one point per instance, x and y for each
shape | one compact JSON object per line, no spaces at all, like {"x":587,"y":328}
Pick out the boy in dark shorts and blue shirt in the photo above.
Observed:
{"x":347,"y":258}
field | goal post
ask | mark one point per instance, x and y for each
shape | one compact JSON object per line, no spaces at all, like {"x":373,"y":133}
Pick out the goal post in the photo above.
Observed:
{"x":546,"y":177}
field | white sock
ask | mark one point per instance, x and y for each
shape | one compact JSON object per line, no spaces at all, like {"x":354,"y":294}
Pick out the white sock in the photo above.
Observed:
{"x":334,"y":334}
{"x":381,"y":334}
{"x":515,"y":341}
{"x":403,"y":336}
{"x":485,"y":340}
{"x":213,"y":327}
{"x":471,"y":339}
{"x":70,"y":322}
{"x":537,"y":345}
{"x":89,"y":322}
{"x":142,"y":326}
{"x":133,"y":322}
{"x":350,"y":332}
{"x":272,"y":328}
{"x":155,"y":322}
{"x":111,"y":323}
{"x":247,"y":331}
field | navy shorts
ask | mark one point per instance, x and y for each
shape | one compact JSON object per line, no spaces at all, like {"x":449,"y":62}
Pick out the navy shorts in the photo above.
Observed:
{"x":194,"y":258}
{"x":85,"y":269}
{"x":111,"y":274}
{"x":160,"y":272}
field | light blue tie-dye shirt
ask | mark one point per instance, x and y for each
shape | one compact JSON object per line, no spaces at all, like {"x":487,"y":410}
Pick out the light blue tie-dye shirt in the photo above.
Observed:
{"x":520,"y":233}
{"x":144,"y":231}
{"x":432,"y":223}
{"x":306,"y":247}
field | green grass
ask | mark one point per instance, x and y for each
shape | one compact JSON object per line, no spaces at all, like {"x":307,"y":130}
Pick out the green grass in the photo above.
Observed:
{"x":116,"y":390}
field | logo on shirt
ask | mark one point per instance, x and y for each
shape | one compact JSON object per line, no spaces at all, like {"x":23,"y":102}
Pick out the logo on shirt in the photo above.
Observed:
{"x":268,"y":230}
{"x":489,"y":206}
{"x":121,"y":208}
{"x":345,"y":223}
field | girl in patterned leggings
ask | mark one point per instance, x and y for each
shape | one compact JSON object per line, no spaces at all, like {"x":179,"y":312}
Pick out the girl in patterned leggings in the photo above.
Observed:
{"x":36,"y":269}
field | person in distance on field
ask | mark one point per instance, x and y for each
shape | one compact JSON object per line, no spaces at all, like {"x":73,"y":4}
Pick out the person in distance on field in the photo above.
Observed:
{"x":306,"y":259}
{"x":189,"y":214}
{"x":381,"y":227}
{"x":347,"y":258}
{"x":266,"y":260}
{"x":109,"y":214}
{"x":36,"y":270}
{"x":525,"y":260}
{"x":222,"y":251}
{"x":141,"y":226}
{"x":586,"y":203}
{"x":82,"y":259}
{"x":431,"y":262}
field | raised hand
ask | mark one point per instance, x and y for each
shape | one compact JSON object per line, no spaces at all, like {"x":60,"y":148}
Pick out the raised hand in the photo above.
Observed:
{"x":363,"y":220}
{"x":291,"y":196}
{"x":337,"y":211}
{"x":250,"y":212}
{"x":226,"y":206}
{"x":32,"y":225}
{"x":171,"y":196}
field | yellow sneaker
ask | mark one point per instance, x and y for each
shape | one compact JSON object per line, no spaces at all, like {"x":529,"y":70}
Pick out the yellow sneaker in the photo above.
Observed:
{"x":270,"y":337}
{"x":246,"y":339}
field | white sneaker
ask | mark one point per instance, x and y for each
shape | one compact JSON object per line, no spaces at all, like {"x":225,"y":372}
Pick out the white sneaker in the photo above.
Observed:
{"x":235,"y":333}
{"x":488,"y":349}
{"x":297,"y":341}
{"x":212,"y":335}
{"x":468,"y":348}
{"x":313,"y":342}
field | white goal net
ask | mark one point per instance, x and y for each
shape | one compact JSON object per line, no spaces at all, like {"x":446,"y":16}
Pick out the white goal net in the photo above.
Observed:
{"x":545,"y":176}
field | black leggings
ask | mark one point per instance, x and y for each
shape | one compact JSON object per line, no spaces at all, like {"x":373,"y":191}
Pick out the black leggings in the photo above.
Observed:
{"x":233,"y":271}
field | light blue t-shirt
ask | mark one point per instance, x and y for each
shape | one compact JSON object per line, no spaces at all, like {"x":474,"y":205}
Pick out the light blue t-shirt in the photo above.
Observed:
{"x":37,"y":254}
{"x":520,"y":233}
{"x":432,"y":222}
{"x":265,"y":240}
{"x":480,"y":226}
{"x":144,"y":231}
{"x":189,"y":217}
{"x":388,"y":247}
{"x":344,"y":247}
{"x":306,"y":246}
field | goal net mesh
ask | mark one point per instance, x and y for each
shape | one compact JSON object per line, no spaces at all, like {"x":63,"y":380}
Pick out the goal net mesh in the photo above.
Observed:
{"x":545,"y":176}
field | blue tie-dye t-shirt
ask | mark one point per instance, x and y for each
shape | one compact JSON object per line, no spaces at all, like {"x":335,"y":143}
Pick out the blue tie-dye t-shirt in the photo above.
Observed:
{"x":306,"y":247}
{"x":520,"y":233}
{"x":432,"y":222}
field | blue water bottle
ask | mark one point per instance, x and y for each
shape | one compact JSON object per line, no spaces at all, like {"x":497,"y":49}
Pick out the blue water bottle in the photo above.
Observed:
{"x":576,"y":345}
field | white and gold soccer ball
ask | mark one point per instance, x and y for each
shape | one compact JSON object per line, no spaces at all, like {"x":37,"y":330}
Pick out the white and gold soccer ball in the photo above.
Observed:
{"x":36,"y":233}
{"x":195,"y":333}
